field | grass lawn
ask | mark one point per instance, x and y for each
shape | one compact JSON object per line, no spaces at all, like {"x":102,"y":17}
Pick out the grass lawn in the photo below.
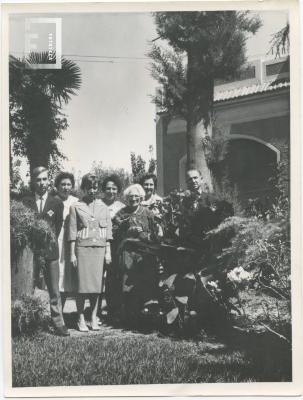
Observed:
{"x":114,"y":356}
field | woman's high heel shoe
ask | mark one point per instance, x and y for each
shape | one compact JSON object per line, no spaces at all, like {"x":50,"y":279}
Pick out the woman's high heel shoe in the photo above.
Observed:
{"x":95,"y":325}
{"x":82,"y":326}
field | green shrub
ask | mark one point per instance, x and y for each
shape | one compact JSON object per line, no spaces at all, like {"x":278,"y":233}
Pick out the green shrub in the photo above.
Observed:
{"x":102,"y":172}
{"x":255,"y":264}
{"x":255,"y":272}
{"x":29,"y":313}
{"x":27,"y":229}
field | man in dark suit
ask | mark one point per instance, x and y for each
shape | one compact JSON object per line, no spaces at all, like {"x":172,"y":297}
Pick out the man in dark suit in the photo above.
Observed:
{"x":204,"y":210}
{"x":50,"y":209}
{"x":194,"y":181}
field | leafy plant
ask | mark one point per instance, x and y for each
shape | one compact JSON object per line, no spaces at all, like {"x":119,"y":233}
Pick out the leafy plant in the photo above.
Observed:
{"x":186,"y":217}
{"x":29,"y":313}
{"x":214,"y":146}
{"x":138,"y":165}
{"x":27,"y":229}
{"x":254,"y":269}
{"x":246,"y":257}
{"x":280,"y":42}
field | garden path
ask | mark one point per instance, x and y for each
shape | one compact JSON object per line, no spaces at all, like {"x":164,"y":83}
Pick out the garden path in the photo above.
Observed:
{"x":105,"y":330}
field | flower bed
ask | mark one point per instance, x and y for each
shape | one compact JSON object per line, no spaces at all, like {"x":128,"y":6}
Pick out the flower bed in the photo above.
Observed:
{"x":239,"y":275}
{"x":254,"y":272}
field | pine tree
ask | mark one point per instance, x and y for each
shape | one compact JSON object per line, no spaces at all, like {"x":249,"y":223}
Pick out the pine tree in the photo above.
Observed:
{"x":202,"y":46}
{"x":137,"y":165}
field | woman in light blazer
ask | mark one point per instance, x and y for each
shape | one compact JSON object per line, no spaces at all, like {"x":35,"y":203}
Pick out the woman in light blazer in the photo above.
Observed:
{"x":65,"y":183}
{"x":90,"y":231}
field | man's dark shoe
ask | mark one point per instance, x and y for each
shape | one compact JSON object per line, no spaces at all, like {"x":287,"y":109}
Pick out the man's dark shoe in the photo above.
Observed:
{"x":62,"y":331}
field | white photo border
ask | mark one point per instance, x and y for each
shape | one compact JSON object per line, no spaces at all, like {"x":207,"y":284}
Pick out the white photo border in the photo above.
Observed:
{"x":293,"y":388}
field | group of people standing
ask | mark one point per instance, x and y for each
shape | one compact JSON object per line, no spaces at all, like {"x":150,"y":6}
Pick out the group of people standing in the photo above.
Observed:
{"x":91,"y":235}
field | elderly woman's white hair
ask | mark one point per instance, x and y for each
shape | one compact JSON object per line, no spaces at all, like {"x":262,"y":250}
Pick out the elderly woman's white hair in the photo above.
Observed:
{"x":134,"y":189}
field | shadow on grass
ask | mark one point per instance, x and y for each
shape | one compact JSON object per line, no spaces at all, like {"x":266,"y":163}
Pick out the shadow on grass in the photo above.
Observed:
{"x":120,"y":355}
{"x":270,"y":356}
{"x":270,"y":360}
{"x":46,"y":360}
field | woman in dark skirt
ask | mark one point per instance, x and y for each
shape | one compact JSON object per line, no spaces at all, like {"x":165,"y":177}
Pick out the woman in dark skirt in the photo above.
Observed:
{"x":90,"y":231}
{"x":138,"y":271}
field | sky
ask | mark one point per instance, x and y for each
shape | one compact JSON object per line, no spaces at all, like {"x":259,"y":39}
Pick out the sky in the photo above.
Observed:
{"x":112,"y":114}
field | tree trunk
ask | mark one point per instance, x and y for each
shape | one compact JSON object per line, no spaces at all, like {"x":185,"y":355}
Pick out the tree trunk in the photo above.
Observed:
{"x":195,"y":154}
{"x":198,"y":115}
{"x":39,"y":115}
{"x":37,"y":156}
{"x":22,"y":274}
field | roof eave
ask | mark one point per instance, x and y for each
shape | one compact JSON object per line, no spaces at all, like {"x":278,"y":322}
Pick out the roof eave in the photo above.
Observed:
{"x":252,"y":96}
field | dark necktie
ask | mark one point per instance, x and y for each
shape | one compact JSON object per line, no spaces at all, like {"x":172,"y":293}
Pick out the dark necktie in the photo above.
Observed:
{"x":41,"y":205}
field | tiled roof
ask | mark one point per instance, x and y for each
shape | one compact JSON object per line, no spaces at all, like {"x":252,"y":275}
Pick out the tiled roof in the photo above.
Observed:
{"x":242,"y":91}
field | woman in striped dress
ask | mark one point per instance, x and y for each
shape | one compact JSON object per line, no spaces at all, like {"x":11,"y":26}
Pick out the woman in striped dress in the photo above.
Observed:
{"x":90,"y":232}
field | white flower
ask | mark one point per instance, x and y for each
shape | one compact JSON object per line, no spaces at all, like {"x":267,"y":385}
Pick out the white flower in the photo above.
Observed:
{"x":213,"y":284}
{"x":50,"y":213}
{"x":193,"y":313}
{"x":239,"y":275}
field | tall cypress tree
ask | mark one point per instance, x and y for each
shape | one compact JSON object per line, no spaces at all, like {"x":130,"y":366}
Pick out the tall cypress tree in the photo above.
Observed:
{"x":202,"y":46}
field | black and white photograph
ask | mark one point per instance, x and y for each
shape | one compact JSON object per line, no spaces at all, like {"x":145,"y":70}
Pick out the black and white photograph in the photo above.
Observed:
{"x":150,"y":191}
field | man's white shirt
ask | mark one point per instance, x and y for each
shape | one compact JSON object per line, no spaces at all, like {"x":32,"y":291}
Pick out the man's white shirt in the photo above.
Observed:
{"x":38,"y":200}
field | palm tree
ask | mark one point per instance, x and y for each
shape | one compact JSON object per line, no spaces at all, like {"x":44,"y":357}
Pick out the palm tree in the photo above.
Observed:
{"x":36,"y":100}
{"x":280,"y":42}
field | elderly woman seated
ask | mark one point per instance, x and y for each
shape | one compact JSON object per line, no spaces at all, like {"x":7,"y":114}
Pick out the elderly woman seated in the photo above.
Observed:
{"x":138,"y":271}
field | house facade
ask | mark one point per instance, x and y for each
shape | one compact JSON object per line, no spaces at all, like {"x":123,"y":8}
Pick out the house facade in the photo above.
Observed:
{"x":253,"y":116}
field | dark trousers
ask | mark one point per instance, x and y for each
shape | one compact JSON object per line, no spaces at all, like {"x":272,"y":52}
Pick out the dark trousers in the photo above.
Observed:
{"x":51,"y":276}
{"x":113,"y":290}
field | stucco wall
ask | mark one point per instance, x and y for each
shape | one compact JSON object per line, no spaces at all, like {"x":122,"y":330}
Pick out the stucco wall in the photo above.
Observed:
{"x":275,"y":131}
{"x":264,"y":117}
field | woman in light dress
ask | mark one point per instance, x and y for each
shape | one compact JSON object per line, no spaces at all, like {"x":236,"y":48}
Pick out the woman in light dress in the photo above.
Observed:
{"x":111,"y":188}
{"x":65,"y":183}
